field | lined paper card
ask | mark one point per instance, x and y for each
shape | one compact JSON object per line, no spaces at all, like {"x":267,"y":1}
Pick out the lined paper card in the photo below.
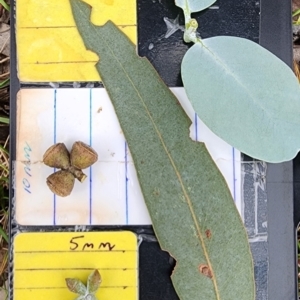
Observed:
{"x":42,"y":261}
{"x":48,"y":27}
{"x":111,"y":194}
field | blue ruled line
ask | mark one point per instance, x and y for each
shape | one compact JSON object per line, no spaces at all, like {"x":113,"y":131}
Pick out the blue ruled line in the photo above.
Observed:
{"x":234,"y":179}
{"x":54,"y":140}
{"x":126,"y":182}
{"x":91,"y":166}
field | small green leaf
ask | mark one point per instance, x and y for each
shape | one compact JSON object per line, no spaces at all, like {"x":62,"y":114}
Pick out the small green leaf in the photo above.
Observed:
{"x":4,"y":83}
{"x":5,"y":5}
{"x":194,"y":5}
{"x":296,"y":12}
{"x":245,"y":95}
{"x":93,"y":282}
{"x":192,"y":211}
{"x":76,"y":286}
{"x":4,"y":120}
{"x":4,"y":234}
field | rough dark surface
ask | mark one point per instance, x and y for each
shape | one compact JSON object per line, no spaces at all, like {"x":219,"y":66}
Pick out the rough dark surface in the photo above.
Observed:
{"x":231,"y":17}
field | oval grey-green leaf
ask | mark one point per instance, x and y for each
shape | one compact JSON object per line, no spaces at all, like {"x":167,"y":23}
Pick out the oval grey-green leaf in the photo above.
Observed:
{"x":194,"y":5}
{"x":245,"y":95}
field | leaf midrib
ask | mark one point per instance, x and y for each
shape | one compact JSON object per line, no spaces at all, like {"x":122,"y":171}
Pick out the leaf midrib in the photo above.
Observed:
{"x":225,"y":66}
{"x":189,"y":202}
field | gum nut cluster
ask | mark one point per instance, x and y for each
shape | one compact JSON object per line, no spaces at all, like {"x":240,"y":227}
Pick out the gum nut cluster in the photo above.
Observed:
{"x":71,"y":164}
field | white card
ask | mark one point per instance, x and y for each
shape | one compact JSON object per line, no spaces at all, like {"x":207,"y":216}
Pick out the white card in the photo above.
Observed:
{"x":111,"y":194}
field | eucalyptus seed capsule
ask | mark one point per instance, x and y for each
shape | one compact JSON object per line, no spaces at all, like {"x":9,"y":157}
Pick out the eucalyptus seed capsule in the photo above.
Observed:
{"x":82,"y":155}
{"x":61,"y":183}
{"x":57,"y":156}
{"x":77,"y":173}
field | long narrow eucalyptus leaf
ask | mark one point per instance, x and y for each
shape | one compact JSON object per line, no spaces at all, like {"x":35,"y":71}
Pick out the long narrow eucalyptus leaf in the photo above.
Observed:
{"x":193,"y":214}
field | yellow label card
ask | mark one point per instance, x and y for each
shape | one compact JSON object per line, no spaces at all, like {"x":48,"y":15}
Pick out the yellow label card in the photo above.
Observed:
{"x":42,"y":262}
{"x":49,"y":47}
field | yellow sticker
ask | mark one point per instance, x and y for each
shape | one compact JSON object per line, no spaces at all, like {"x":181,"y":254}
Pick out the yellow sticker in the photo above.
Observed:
{"x":42,"y":261}
{"x":49,"y":47}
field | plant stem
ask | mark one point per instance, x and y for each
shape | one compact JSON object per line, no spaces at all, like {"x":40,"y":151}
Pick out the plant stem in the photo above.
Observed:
{"x":191,"y":26}
{"x":77,"y":173}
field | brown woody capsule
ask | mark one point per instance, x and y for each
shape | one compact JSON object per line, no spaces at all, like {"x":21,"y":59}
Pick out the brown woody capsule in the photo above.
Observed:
{"x":57,"y":156}
{"x":82,"y":155}
{"x":61,"y":183}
